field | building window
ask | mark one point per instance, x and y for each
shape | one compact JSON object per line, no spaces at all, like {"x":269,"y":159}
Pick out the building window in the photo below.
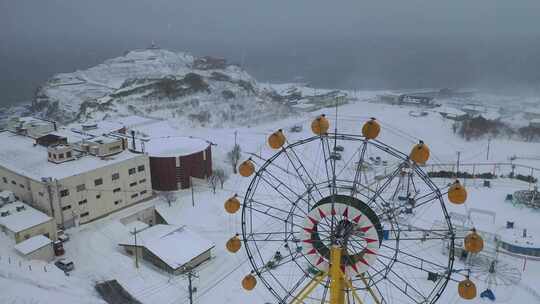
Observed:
{"x":68,"y":154}
{"x":64,"y":193}
{"x":140,"y":168}
{"x":131,"y":171}
{"x":98,"y":196}
{"x":117,"y":190}
{"x":134,"y":195}
{"x":115,"y":176}
{"x":54,"y":156}
{"x":118,"y":202}
{"x":142,"y":181}
{"x":14,"y":182}
{"x":85,"y":214}
{"x":61,"y":156}
{"x":5,"y":180}
{"x":81,"y":187}
{"x":133,"y":184}
{"x":40,"y":193}
{"x":84,"y":201}
{"x":98,"y":181}
{"x":66,"y":207}
{"x":50,"y":155}
{"x":143,"y":192}
{"x":21,"y":185}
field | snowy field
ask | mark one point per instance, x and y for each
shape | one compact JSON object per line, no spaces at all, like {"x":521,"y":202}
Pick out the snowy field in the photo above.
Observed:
{"x":97,"y":256}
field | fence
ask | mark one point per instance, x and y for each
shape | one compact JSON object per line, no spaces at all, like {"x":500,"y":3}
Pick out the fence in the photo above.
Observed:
{"x":475,"y":172}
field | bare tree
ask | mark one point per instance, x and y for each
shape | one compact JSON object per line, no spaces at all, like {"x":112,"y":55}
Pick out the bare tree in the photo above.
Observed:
{"x":233,"y":157}
{"x":213,"y":182}
{"x":168,"y":196}
{"x":221,"y":176}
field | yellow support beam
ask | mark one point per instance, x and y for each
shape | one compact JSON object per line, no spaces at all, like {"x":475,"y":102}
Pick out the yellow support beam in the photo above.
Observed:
{"x":337,"y":291}
{"x":308,"y":289}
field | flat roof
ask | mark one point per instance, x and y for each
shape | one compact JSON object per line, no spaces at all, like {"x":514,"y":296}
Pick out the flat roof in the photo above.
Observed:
{"x":32,"y":244}
{"x":161,"y":139}
{"x":174,"y":245}
{"x":515,"y":237}
{"x":174,"y":146}
{"x":20,"y":155}
{"x":18,"y":221}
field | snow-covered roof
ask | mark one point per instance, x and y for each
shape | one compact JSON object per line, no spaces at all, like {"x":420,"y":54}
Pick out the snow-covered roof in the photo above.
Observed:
{"x":535,"y":121}
{"x":131,"y":226}
{"x":163,"y":140}
{"x":532,"y":110}
{"x":98,"y":128}
{"x":515,"y":237}
{"x":491,"y":115}
{"x":450,"y":110}
{"x":174,"y":146}
{"x":174,"y":245}
{"x":6,"y":195}
{"x":135,"y":121}
{"x":20,"y":155}
{"x":32,"y":244}
{"x":26,"y":217}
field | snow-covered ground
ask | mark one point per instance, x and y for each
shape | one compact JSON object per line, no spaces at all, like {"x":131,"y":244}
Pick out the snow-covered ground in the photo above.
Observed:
{"x":97,"y":256}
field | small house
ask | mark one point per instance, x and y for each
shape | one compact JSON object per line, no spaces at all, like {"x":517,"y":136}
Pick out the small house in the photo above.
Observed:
{"x":171,"y":248}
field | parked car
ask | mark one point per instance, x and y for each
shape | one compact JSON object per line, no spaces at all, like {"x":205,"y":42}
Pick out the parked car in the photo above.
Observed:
{"x":65,"y":265}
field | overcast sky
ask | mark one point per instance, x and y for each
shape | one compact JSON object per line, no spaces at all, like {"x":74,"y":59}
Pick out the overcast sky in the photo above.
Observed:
{"x":360,"y":44}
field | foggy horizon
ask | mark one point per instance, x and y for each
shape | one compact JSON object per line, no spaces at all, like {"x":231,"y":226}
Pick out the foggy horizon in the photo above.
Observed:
{"x":353,"y":44}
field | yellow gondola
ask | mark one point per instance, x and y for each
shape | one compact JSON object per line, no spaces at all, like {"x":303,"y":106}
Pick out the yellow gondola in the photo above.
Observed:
{"x":371,"y":129}
{"x":277,"y":139}
{"x":420,"y":153}
{"x":246,"y":168}
{"x":457,"y":194}
{"x":320,"y":125}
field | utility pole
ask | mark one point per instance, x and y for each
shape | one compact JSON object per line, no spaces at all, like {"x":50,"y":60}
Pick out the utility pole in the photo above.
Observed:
{"x":190,"y":275}
{"x":457,"y":164}
{"x":136,"y":248}
{"x":235,"y":135}
{"x":489,"y":144}
{"x":192,"y":192}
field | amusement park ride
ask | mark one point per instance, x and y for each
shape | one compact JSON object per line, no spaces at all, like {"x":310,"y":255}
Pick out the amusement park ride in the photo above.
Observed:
{"x":320,"y":225}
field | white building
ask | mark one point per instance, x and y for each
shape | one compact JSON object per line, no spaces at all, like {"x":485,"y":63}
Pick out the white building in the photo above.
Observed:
{"x":22,"y":222}
{"x":87,"y":180}
{"x":37,"y":248}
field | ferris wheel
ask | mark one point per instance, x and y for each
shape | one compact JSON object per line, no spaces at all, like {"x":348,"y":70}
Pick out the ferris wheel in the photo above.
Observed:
{"x":345,"y":218}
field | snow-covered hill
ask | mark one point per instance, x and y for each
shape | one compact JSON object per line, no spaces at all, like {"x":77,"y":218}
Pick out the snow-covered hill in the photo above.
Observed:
{"x":155,"y":82}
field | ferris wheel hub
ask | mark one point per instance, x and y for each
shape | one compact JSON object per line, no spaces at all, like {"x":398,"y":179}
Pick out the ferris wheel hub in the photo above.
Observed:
{"x":346,"y":222}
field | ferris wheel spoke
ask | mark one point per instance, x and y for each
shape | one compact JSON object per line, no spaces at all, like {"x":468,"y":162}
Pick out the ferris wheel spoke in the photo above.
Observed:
{"x":300,"y":167}
{"x":387,"y":182}
{"x":408,"y":289}
{"x":288,"y":213}
{"x":359,"y":169}
{"x":416,"y":258}
{"x":266,"y":213}
{"x":281,"y":184}
{"x":420,"y":234}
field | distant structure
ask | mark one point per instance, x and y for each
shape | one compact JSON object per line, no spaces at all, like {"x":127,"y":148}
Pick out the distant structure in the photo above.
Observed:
{"x":414,"y":99}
